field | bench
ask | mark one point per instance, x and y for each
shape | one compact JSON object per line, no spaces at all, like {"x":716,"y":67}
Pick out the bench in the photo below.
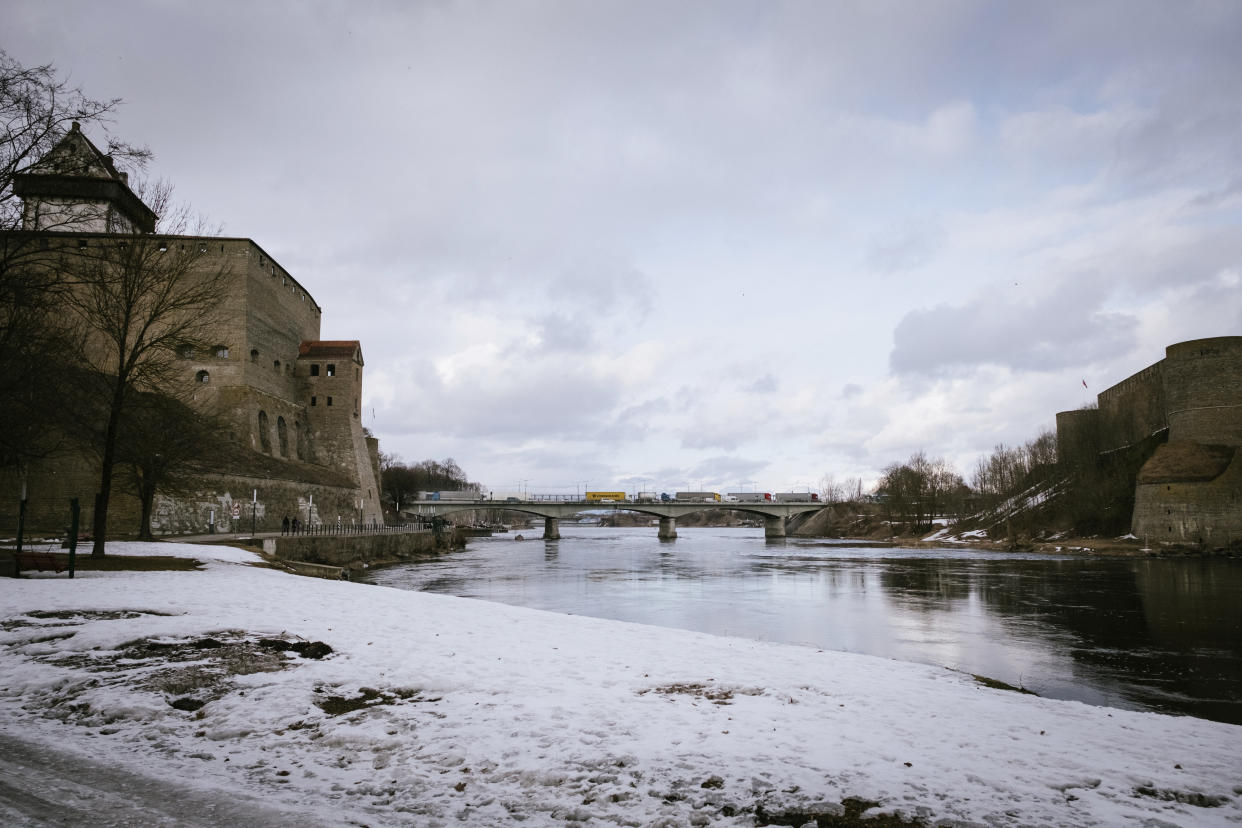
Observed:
{"x":42,"y":561}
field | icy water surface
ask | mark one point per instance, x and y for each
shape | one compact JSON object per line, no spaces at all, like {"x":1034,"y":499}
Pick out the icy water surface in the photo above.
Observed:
{"x":1147,"y":634}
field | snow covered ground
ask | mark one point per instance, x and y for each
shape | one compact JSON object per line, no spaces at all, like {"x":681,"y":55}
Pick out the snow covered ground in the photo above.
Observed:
{"x":432,"y":710}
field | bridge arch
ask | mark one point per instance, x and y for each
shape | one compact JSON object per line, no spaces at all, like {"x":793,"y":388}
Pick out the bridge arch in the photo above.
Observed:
{"x":774,"y":515}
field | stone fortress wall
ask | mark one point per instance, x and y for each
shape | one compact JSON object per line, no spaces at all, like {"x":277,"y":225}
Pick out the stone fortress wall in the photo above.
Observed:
{"x":293,"y":403}
{"x":1189,"y":490}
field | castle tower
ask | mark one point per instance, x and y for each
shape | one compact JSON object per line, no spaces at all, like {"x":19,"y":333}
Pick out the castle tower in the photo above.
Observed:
{"x":75,"y":188}
{"x":332,"y":371}
{"x":1190,"y":490}
{"x":292,"y":403}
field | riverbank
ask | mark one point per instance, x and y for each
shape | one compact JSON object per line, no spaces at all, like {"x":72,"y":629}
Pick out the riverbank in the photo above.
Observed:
{"x":437,"y":709}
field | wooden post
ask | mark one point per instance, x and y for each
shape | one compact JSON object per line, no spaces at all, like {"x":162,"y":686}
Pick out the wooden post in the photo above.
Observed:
{"x":21,"y":529}
{"x":74,"y":512}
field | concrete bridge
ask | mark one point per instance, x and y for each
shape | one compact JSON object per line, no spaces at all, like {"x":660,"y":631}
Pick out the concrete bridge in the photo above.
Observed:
{"x":775,"y":515}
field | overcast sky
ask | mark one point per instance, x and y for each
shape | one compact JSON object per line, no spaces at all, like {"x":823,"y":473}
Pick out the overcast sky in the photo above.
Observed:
{"x":712,"y":245}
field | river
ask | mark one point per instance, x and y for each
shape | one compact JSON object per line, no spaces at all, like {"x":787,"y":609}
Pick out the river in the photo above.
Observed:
{"x":1159,"y":634}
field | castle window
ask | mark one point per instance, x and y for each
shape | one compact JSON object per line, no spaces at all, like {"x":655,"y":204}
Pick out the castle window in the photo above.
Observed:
{"x":222,"y":351}
{"x":203,"y":377}
{"x":81,"y":244}
{"x":202,"y":247}
{"x":163,"y":247}
{"x":185,"y":351}
{"x":276,"y":365}
{"x":329,"y":401}
{"x":265,"y":439}
{"x":254,"y":354}
{"x":314,"y":369}
{"x":282,"y":434}
{"x":331,"y":370}
{"x":314,"y":400}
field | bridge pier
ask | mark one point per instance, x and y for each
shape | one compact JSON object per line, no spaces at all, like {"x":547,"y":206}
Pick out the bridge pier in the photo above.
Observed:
{"x":668,"y":528}
{"x":551,"y":528}
{"x":773,"y":526}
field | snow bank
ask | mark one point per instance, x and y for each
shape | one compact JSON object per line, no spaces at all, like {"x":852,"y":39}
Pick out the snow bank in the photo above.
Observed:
{"x":486,"y":714}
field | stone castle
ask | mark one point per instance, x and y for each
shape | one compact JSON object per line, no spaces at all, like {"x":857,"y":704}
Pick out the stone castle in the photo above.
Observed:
{"x":292,"y":400}
{"x":1184,"y":417}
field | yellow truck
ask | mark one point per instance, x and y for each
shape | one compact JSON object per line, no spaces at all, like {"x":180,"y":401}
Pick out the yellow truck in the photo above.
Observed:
{"x":605,"y":497}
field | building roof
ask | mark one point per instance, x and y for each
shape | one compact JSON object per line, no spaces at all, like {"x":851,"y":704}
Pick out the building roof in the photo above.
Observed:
{"x":76,"y":168}
{"x":330,"y":349}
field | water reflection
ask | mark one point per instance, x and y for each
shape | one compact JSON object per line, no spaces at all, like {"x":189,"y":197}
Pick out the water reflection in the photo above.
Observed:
{"x":1149,"y":634}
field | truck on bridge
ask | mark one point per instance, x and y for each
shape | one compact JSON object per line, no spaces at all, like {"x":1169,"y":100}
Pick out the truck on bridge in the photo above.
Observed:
{"x":697,"y":497}
{"x":797,"y":497}
{"x":749,"y":497}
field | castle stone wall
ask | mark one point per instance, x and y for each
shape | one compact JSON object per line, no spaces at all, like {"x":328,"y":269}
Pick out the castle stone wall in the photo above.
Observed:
{"x":1133,"y":409}
{"x":1203,"y":390}
{"x":1201,"y":512}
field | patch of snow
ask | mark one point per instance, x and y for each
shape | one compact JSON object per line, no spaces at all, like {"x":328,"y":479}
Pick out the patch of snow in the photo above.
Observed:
{"x":487,"y":714}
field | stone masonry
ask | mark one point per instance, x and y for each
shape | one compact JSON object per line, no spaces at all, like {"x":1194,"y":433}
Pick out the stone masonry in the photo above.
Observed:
{"x":1189,"y":490}
{"x":293,"y":401}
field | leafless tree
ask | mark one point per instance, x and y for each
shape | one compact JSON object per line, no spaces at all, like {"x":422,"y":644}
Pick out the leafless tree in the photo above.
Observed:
{"x":164,"y":446}
{"x":37,"y":109}
{"x":139,"y":299}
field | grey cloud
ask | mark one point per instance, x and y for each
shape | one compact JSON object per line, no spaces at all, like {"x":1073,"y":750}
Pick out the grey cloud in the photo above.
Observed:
{"x":1060,"y":328}
{"x":1217,"y":197}
{"x":766,"y":384}
{"x":717,"y":435}
{"x":560,"y":332}
{"x":604,"y":286}
{"x":724,"y":469}
{"x":903,"y":249}
{"x":551,"y":399}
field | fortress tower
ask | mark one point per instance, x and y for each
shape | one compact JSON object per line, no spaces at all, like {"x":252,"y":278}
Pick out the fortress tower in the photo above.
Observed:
{"x":1189,"y":404}
{"x":293,"y":402}
{"x":1190,"y":491}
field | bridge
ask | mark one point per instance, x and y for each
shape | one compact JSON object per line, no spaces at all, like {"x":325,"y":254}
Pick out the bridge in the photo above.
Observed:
{"x":775,"y":515}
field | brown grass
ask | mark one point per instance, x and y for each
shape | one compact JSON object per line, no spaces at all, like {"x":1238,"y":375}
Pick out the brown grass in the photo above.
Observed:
{"x":125,"y":563}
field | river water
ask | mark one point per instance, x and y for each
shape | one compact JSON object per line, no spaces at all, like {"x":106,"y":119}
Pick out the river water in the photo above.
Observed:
{"x":1140,"y":633}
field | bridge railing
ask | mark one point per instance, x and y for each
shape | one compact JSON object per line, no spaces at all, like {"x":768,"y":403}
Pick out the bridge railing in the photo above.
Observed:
{"x":352,"y":529}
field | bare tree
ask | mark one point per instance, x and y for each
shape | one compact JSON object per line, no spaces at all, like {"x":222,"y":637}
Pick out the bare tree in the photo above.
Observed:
{"x":139,"y":300}
{"x":163,"y":445}
{"x":37,"y":109}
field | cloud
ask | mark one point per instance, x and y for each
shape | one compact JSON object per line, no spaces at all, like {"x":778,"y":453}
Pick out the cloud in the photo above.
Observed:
{"x":725,"y":468}
{"x":766,"y":384}
{"x":1064,"y":326}
{"x":903,"y":248}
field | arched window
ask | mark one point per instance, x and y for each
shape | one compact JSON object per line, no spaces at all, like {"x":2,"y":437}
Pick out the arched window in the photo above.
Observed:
{"x":265,"y":437}
{"x":203,"y":377}
{"x":276,"y":365}
{"x":282,"y":435}
{"x":254,"y":354}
